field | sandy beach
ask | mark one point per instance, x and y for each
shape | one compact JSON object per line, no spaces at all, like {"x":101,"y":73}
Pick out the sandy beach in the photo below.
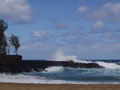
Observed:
{"x":11,"y":86}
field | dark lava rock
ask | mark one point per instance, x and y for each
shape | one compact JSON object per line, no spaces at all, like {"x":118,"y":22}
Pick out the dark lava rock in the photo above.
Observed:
{"x":28,"y":66}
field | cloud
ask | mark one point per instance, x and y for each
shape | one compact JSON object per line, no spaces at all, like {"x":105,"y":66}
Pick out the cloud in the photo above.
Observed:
{"x":61,"y":26}
{"x":82,"y":9}
{"x":101,"y":50}
{"x":109,"y":35}
{"x":38,"y":33}
{"x":109,"y":12}
{"x":16,"y":10}
{"x":58,"y":39}
{"x":98,"y":25}
{"x":113,"y":36}
{"x":73,"y":33}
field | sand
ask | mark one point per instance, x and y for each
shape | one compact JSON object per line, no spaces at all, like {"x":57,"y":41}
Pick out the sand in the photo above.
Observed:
{"x":10,"y":86}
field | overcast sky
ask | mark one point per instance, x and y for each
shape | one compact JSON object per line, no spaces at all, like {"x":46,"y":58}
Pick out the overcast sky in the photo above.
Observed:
{"x":89,"y":29}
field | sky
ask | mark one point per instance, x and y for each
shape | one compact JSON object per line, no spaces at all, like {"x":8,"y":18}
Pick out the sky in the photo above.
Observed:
{"x":88,"y":29}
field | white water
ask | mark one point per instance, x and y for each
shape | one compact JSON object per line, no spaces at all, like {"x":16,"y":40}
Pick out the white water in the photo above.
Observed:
{"x":109,"y":65}
{"x":53,"y":69}
{"x":33,"y":79}
{"x":60,"y":56}
{"x":4,"y":78}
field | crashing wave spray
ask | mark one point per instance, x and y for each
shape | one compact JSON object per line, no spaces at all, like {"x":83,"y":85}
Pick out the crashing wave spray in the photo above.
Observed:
{"x":108,"y":65}
{"x":60,"y":56}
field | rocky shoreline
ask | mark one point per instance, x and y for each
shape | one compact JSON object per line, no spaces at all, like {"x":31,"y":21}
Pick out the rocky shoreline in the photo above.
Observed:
{"x":28,"y":66}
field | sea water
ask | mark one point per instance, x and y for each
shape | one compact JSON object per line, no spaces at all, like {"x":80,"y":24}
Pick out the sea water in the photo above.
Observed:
{"x":65,"y":75}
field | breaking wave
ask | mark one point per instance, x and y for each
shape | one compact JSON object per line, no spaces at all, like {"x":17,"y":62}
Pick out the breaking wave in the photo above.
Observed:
{"x":54,"y":69}
{"x":60,"y":56}
{"x":108,"y":65}
{"x":4,"y":78}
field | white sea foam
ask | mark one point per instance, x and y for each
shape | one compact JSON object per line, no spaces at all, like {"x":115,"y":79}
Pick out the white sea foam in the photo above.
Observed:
{"x":31,"y":79}
{"x":108,"y":65}
{"x":41,"y":80}
{"x":18,"y":78}
{"x":54,"y":69}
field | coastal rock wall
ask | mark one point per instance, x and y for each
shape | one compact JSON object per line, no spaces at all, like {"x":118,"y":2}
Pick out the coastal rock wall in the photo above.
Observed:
{"x":28,"y":66}
{"x":10,"y":58}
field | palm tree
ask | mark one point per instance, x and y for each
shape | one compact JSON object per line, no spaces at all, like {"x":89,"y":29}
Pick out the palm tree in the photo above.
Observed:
{"x":14,"y":40}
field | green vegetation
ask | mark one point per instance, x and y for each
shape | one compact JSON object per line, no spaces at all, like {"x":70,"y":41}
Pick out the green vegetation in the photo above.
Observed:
{"x":3,"y":42}
{"x":13,"y":40}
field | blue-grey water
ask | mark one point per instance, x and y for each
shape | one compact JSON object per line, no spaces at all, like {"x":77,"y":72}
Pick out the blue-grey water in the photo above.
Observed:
{"x":61,"y":75}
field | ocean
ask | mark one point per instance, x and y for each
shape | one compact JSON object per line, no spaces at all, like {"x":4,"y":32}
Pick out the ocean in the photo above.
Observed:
{"x":63,"y":75}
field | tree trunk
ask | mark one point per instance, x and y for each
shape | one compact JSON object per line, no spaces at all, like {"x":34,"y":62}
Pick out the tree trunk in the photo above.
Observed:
{"x":16,"y":51}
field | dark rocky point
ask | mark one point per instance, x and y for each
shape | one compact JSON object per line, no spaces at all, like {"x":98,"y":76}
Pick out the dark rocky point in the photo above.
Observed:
{"x":14,"y":64}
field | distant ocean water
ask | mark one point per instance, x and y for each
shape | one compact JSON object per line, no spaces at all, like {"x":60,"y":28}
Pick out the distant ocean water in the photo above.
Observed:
{"x":61,"y":75}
